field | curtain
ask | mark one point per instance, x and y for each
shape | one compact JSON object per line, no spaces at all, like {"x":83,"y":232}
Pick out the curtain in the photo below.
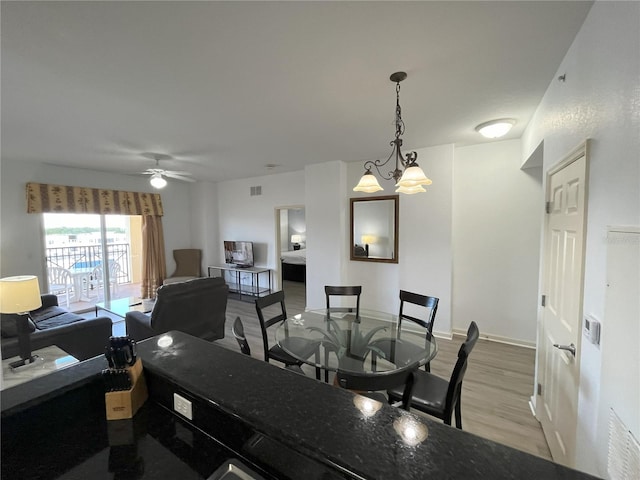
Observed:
{"x":154,"y":265}
{"x":43,"y":198}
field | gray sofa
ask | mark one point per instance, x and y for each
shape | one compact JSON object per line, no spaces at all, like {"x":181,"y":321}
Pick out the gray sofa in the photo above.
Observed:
{"x":52,"y":325}
{"x":197,"y":307}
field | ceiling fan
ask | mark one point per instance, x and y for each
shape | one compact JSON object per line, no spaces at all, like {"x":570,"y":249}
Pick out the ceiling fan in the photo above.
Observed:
{"x":157,"y":179}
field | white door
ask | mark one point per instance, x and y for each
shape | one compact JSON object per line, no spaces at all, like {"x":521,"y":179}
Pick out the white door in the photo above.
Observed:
{"x":559,"y":347}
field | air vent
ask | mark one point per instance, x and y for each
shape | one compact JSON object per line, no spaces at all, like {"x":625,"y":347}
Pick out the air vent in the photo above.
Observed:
{"x":255,"y":191}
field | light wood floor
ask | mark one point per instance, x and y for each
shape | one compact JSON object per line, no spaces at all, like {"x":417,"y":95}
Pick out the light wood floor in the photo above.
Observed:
{"x":496,"y":388}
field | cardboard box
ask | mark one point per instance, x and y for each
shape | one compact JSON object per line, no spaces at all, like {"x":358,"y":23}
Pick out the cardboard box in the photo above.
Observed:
{"x":125,"y":404}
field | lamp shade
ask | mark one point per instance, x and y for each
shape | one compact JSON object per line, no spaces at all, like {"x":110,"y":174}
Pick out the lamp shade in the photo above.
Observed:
{"x":413,"y":176}
{"x":410,"y":190}
{"x":368,"y":239}
{"x":157,"y":181}
{"x":368,"y":183}
{"x":19,"y":294}
{"x":296,"y":238}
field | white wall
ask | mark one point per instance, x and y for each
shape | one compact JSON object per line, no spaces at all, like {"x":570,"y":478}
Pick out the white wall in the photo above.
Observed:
{"x":21,"y":234}
{"x":327,"y":215}
{"x":242,"y":217}
{"x":496,"y":241}
{"x":205,"y":222}
{"x":600,"y":100}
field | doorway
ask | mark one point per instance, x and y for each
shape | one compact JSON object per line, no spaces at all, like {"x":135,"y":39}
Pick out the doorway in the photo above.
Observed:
{"x":291,"y":248}
{"x":560,"y":334}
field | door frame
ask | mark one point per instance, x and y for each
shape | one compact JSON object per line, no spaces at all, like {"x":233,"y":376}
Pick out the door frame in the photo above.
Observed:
{"x":278,"y":239}
{"x":582,"y":150}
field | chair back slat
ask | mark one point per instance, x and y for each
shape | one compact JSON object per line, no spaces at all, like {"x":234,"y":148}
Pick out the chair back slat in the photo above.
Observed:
{"x":263,"y":303}
{"x":455,"y":383}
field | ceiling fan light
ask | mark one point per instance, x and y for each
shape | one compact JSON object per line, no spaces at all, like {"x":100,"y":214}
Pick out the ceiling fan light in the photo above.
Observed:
{"x":495,"y":128}
{"x":368,"y":183}
{"x":157,"y":181}
{"x":412,"y":177}
{"x":410,"y":190}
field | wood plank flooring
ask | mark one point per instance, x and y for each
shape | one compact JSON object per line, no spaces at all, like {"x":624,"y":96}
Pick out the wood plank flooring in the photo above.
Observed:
{"x":496,"y":388}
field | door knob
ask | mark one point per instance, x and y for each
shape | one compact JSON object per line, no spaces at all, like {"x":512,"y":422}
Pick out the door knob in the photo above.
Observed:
{"x":570,"y":348}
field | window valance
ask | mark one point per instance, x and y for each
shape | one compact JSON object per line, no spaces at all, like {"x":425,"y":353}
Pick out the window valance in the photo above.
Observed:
{"x":43,"y":198}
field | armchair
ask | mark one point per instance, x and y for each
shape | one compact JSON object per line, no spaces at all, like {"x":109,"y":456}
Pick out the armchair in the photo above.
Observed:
{"x":197,"y":307}
{"x":188,"y":266}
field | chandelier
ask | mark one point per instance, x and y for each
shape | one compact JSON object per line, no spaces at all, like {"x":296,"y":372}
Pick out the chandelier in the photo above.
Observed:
{"x":409,"y":181}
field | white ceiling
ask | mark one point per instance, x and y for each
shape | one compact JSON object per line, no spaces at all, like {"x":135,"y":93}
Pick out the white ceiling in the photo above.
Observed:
{"x":229,"y":87}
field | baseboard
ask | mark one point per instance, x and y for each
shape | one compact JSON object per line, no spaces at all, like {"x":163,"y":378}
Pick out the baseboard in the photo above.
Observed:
{"x":498,"y":339}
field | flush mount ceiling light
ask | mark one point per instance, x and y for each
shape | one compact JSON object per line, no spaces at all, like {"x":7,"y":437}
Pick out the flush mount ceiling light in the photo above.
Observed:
{"x":157,"y":181}
{"x":495,"y":128}
{"x":412,"y":178}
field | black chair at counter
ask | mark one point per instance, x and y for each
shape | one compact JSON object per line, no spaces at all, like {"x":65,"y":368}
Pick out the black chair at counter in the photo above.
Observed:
{"x":436,"y":396}
{"x":276,"y":352}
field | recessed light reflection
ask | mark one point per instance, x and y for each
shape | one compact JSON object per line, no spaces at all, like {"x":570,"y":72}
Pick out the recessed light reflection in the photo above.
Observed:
{"x":165,"y":341}
{"x":367,"y":406}
{"x":410,"y":430}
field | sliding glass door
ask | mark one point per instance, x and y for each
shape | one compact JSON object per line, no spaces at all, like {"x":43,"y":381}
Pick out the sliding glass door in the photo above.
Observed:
{"x":92,"y":258}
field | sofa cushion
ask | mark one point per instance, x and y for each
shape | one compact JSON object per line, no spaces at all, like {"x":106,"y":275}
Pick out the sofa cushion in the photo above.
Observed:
{"x":9,"y":327}
{"x":59,"y":320}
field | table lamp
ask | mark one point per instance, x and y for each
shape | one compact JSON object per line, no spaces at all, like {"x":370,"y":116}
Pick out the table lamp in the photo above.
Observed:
{"x":366,"y":240}
{"x":295,"y":240}
{"x":19,"y":295}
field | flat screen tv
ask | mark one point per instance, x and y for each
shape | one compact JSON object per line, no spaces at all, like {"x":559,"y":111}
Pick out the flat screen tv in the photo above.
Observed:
{"x":239,"y":254}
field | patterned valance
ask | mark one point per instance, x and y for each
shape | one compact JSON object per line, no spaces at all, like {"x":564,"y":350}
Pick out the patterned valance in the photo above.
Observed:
{"x":43,"y":198}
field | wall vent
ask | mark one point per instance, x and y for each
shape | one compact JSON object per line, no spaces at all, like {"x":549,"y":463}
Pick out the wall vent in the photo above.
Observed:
{"x":255,"y":191}
{"x":624,"y":451}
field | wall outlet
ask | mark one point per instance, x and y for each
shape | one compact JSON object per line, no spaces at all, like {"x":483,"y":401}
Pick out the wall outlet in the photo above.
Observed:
{"x":182,"y":406}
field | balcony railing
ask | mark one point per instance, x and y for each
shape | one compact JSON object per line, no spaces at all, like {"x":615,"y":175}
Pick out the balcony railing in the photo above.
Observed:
{"x":90,"y":256}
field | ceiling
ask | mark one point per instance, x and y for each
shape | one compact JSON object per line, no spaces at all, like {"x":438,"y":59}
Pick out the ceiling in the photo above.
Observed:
{"x":229,"y":88}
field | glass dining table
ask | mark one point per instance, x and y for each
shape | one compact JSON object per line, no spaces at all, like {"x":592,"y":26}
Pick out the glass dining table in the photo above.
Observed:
{"x":370,"y":343}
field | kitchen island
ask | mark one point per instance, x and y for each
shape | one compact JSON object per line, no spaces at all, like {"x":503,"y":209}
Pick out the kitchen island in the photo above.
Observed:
{"x":274,"y":423}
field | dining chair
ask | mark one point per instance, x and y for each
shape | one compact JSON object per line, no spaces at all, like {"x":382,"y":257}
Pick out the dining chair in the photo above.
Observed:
{"x":387,"y":346}
{"x":306,"y":347}
{"x":343,"y":291}
{"x":60,"y":281}
{"x":431,"y":303}
{"x":340,"y":291}
{"x":238,"y":332}
{"x":436,"y":396}
{"x":371,"y":385}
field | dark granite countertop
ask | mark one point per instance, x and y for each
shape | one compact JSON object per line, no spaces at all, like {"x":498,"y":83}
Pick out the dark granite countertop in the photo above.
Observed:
{"x":283,"y":424}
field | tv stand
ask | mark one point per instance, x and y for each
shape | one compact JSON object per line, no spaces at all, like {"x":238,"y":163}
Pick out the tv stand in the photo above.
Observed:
{"x":235,"y":277}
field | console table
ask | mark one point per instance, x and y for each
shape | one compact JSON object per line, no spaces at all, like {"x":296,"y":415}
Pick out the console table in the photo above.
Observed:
{"x":254,"y":289}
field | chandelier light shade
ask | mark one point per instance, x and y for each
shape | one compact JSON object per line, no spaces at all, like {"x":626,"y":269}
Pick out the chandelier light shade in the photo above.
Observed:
{"x":496,"y":128}
{"x":368,"y":183}
{"x":157,"y":181}
{"x":412,"y":178}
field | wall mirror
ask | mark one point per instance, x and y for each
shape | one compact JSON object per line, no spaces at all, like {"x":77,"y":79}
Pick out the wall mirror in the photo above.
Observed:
{"x":374,"y":229}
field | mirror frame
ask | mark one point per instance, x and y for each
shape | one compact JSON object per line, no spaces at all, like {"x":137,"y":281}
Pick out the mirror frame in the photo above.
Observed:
{"x":396,"y":210}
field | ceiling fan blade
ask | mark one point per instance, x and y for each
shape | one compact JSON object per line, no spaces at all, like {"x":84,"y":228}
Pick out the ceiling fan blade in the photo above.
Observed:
{"x":178,"y":177}
{"x":176,"y":172}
